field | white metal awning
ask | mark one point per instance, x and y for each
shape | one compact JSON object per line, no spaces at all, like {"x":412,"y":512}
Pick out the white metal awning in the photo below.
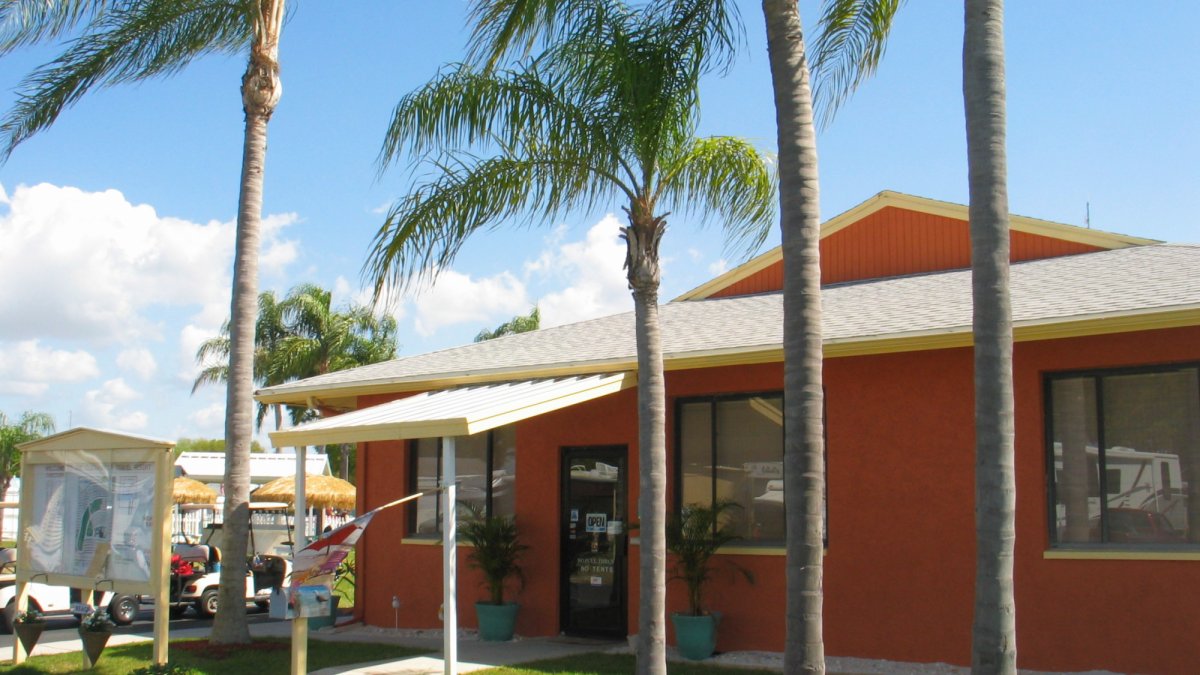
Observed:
{"x":454,"y":412}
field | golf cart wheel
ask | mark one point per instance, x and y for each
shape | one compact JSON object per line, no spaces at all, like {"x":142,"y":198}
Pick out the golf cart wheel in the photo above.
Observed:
{"x":10,"y":614}
{"x":207,"y":605}
{"x":123,"y":609}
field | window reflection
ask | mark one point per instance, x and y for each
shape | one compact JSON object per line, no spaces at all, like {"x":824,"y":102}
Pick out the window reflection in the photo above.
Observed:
{"x":486,"y":468}
{"x":731,"y":449}
{"x":1126,"y":453}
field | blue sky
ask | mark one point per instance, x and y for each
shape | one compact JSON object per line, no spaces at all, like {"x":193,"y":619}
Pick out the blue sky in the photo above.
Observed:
{"x":116,"y":225}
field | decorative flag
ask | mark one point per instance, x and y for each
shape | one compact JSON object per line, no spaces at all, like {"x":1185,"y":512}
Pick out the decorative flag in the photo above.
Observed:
{"x":315,"y":564}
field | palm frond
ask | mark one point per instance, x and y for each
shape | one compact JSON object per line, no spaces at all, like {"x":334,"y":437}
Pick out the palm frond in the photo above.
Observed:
{"x":511,"y":28}
{"x":25,"y":22}
{"x":424,"y":231}
{"x":712,"y":29}
{"x":129,"y":42}
{"x":215,"y":374}
{"x":852,"y":36}
{"x":728,"y":177}
{"x":463,"y":108}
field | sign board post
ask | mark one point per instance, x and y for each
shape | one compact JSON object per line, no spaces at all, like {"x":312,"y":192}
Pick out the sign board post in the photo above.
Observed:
{"x":95,"y":515}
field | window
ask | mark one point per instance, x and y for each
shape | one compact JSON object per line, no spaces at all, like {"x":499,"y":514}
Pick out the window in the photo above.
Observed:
{"x":1124,"y":457}
{"x":487,"y":471}
{"x":731,"y":449}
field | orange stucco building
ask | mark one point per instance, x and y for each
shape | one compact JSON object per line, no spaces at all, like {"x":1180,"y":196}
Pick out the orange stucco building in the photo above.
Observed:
{"x":1107,"y":392}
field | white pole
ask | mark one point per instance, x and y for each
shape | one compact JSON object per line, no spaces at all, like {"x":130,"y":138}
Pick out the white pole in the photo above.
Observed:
{"x":449,"y":553}
{"x":300,"y":537}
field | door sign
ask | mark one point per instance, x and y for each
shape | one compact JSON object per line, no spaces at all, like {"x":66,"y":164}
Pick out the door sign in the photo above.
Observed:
{"x":596,"y":522}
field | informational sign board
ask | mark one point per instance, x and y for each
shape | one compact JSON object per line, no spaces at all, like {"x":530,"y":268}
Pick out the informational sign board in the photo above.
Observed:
{"x":92,"y":516}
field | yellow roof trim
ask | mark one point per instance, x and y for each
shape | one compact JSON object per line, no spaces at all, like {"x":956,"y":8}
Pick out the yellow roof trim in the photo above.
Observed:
{"x":950,"y":338}
{"x":1045,"y":228}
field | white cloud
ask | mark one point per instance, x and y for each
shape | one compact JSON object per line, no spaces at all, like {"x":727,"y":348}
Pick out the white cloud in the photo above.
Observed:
{"x":719,"y":267}
{"x":134,"y":421}
{"x":277,"y":253}
{"x":191,"y":337}
{"x":99,"y":264}
{"x":593,"y":273}
{"x":28,"y":368}
{"x":457,"y":298}
{"x":139,"y":361}
{"x":211,"y":417}
{"x":103,"y":406}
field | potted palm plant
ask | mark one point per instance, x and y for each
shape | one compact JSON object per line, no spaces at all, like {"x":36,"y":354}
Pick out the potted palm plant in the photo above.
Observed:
{"x":95,"y":630}
{"x":28,"y":626}
{"x":693,"y":537}
{"x":496,"y":552}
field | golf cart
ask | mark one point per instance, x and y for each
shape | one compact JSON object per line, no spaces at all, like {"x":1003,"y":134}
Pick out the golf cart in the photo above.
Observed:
{"x":57,"y":600}
{"x":196,"y":568}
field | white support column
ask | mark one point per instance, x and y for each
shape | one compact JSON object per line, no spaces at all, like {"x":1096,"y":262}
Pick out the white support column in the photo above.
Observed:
{"x":449,"y":558}
{"x":300,"y":536}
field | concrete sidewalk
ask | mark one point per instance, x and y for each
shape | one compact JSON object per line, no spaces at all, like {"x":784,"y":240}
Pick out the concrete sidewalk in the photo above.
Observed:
{"x":473,"y":654}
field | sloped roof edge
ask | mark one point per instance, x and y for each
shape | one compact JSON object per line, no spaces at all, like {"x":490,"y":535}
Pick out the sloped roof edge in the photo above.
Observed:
{"x":886,"y":198}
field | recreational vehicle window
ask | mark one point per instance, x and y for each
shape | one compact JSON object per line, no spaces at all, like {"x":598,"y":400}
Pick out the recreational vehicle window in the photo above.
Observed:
{"x":1124,"y":457}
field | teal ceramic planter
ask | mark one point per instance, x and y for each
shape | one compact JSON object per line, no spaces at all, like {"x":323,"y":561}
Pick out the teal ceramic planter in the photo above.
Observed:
{"x":695,"y":636}
{"x":496,"y":622}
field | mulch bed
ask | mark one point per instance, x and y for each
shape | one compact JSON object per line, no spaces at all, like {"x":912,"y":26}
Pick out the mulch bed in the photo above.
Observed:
{"x":208,"y":650}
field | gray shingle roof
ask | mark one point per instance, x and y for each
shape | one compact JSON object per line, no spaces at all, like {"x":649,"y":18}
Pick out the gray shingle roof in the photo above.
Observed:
{"x":1141,"y":279}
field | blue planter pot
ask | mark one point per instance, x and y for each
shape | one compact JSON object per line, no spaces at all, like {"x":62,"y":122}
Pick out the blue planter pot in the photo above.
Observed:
{"x":496,"y":622}
{"x":695,"y":636}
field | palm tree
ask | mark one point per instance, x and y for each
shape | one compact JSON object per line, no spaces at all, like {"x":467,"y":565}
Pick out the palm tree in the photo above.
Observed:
{"x":852,"y":43}
{"x":298,"y":337}
{"x":994,"y":633}
{"x":320,"y":339}
{"x":517,"y":324}
{"x":29,"y":426}
{"x":607,"y":111}
{"x":135,"y":40}
{"x":803,"y":397}
{"x":269,"y":331}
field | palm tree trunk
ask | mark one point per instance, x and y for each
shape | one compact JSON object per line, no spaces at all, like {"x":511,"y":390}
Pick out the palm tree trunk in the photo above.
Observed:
{"x":642,"y":239}
{"x":994,"y":638}
{"x":260,"y":94}
{"x":804,"y":435}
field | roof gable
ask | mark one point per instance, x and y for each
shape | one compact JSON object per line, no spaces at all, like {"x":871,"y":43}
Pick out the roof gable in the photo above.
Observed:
{"x":894,"y":234}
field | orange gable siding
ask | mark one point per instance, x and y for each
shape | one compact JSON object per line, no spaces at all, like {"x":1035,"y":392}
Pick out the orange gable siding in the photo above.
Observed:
{"x":892,"y":242}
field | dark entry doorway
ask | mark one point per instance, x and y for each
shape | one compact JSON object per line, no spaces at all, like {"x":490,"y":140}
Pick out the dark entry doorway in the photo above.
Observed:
{"x":594,"y":541}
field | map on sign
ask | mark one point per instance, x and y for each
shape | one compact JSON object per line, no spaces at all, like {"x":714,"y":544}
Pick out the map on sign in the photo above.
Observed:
{"x":92,"y":520}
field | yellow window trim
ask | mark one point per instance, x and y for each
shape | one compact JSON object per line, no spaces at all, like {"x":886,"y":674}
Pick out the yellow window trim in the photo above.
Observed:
{"x":1069,"y":554}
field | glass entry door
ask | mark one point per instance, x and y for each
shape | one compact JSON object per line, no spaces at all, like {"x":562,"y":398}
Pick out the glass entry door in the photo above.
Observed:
{"x":594,"y":541}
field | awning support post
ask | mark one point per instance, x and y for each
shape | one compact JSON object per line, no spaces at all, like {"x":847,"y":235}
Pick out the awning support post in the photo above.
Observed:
{"x":300,"y":503}
{"x":449,"y":558}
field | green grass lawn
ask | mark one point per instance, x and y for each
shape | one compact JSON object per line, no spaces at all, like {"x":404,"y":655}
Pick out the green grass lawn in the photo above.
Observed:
{"x":613,"y":664}
{"x":197,"y":657}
